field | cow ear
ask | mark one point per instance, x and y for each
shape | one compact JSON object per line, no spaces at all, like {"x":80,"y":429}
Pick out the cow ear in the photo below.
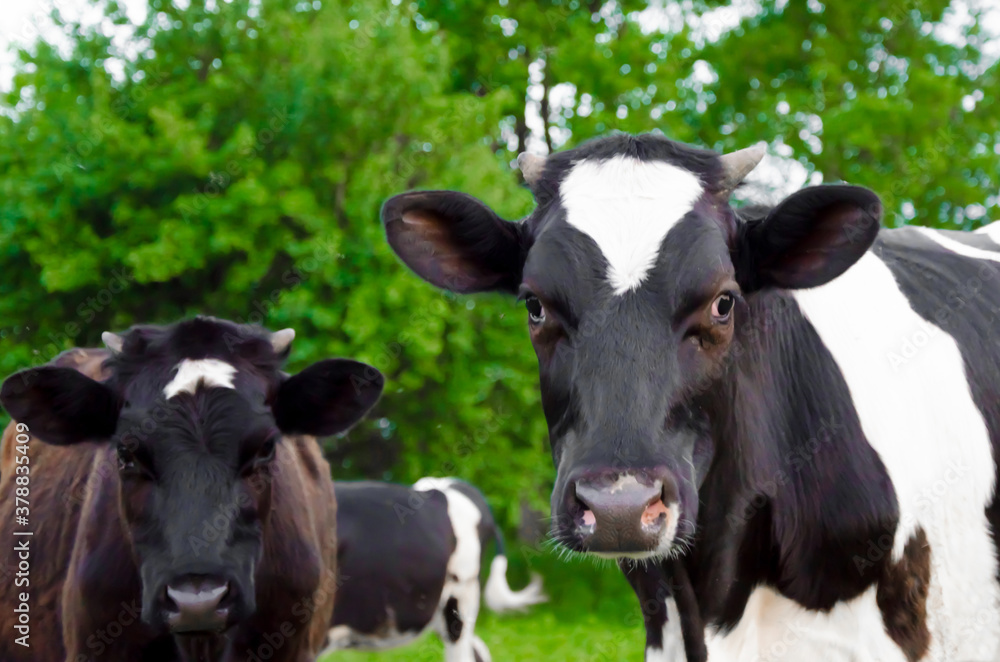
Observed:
{"x":810,"y":238}
{"x":454,"y":241}
{"x":60,"y":405}
{"x":326,"y":398}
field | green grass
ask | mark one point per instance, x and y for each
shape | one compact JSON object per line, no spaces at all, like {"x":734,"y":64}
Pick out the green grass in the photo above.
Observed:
{"x":592,"y":616}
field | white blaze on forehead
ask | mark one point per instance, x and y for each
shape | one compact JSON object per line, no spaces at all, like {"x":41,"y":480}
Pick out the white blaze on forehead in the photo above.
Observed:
{"x":627,"y":206}
{"x":192,"y":373}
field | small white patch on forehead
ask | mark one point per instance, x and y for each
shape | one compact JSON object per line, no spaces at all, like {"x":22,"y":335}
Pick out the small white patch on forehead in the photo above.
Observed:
{"x":627,"y":206}
{"x":207,"y":372}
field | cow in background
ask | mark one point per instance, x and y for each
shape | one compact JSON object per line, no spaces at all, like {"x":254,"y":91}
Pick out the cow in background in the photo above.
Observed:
{"x":180,"y":506}
{"x":800,"y":406}
{"x":409,"y":560}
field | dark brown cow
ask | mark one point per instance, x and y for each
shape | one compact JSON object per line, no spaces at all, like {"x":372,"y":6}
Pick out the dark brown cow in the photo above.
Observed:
{"x":207,"y":535}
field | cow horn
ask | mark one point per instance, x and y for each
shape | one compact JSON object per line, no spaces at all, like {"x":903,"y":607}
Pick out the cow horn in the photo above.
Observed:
{"x":112,"y":341}
{"x":280,"y":340}
{"x":737,"y":165}
{"x":531,"y":166}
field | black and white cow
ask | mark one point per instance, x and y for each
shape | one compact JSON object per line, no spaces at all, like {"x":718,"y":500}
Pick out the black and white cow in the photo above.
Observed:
{"x":409,"y":560}
{"x":802,"y":407}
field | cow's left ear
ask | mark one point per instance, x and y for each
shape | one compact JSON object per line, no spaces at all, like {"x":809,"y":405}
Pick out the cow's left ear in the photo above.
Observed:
{"x":61,"y":406}
{"x":810,"y":238}
{"x":326,"y":398}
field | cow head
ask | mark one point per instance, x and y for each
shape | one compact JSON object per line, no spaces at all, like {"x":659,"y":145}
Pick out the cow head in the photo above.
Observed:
{"x":634,"y":270}
{"x":196,"y":413}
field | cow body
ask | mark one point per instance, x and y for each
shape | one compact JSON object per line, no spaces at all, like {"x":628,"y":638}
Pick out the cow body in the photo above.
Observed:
{"x":799,"y":406}
{"x":410,"y":561}
{"x":916,"y":402}
{"x":879,"y":488}
{"x":93,"y":581}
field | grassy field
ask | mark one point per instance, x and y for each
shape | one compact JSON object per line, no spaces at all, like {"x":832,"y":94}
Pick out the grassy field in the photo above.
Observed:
{"x":592,"y":616}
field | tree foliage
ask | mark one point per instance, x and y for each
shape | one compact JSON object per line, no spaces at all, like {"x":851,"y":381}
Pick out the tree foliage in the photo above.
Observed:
{"x":235,"y":161}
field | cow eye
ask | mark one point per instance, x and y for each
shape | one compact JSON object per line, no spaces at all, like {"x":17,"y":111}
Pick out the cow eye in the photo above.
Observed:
{"x":266,"y":452}
{"x":722,"y":307}
{"x":536,"y":312}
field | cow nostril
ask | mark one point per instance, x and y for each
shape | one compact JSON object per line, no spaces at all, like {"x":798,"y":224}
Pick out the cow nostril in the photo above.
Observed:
{"x":655,"y":514}
{"x":582,"y":514}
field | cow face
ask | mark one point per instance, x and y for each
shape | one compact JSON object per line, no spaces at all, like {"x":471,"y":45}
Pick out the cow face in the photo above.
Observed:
{"x":196,"y":414}
{"x":634,"y":272}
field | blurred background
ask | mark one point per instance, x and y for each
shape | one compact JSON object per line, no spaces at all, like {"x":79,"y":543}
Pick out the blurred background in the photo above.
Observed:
{"x":162,"y":159}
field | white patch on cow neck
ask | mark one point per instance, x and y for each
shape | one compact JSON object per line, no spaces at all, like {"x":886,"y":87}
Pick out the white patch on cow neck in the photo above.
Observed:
{"x":992,"y":231}
{"x":776,"y":628}
{"x":919,"y":415}
{"x":627,"y":207}
{"x":673,"y":638}
{"x":200,"y":372}
{"x":958,"y":247}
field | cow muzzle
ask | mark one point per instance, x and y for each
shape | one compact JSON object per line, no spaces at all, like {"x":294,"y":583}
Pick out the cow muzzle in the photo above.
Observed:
{"x":197,"y":603}
{"x":624,"y":513}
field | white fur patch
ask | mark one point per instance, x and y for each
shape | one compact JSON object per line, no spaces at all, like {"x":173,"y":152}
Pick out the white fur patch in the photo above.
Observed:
{"x":343,"y":637}
{"x":462,"y":578}
{"x":200,"y":372}
{"x":776,"y":628}
{"x":920,"y":417}
{"x":960,"y":248}
{"x":500,"y":597}
{"x":623,"y":481}
{"x":627,"y":207}
{"x":992,"y":231}
{"x":673,"y":638}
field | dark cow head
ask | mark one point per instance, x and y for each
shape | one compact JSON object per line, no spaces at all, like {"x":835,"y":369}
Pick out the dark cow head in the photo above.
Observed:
{"x":197,"y":412}
{"x":634,"y":270}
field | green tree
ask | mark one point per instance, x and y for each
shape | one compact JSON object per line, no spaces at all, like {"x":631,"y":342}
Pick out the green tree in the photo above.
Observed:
{"x":868,"y":93}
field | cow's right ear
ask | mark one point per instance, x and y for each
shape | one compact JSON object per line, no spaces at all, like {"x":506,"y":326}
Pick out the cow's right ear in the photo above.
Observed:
{"x":327,"y":398}
{"x":60,"y":405}
{"x":810,"y":238}
{"x":454,"y":241}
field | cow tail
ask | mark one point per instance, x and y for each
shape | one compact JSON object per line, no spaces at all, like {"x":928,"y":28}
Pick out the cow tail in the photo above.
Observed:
{"x":498,"y":594}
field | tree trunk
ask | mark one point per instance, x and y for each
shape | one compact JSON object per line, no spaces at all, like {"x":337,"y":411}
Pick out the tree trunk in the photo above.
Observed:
{"x":543,"y":109}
